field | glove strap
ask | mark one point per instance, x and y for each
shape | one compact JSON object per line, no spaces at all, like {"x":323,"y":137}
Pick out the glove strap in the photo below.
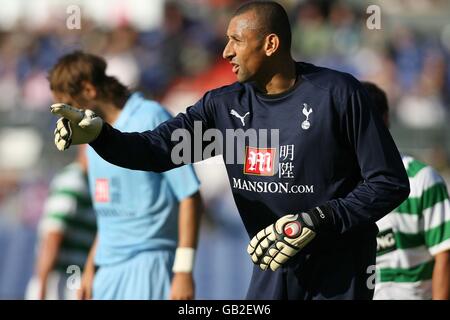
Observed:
{"x":318,"y":218}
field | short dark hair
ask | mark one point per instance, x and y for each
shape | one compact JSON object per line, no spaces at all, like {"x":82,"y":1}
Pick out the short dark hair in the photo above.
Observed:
{"x":68,"y":74}
{"x":378,"y":97}
{"x":272,"y":18}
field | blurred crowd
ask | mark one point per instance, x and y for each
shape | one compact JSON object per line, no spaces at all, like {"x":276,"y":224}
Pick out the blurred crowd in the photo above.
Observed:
{"x":178,"y":58}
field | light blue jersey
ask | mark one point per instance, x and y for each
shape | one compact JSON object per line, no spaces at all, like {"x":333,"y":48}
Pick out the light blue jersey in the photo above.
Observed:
{"x":136,"y":210}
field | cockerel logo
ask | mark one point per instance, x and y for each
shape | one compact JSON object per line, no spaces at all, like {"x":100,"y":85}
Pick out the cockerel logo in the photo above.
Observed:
{"x":306,"y":124}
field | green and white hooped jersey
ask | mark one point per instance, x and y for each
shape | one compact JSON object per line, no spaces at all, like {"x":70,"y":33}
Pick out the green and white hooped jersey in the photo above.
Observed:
{"x":68,"y":209}
{"x":411,"y":235}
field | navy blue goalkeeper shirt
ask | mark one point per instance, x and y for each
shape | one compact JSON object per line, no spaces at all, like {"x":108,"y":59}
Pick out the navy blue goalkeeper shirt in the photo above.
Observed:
{"x":333,"y":150}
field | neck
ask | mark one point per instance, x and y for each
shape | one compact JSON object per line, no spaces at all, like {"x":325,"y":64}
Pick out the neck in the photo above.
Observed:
{"x":280,"y":79}
{"x":110,"y":111}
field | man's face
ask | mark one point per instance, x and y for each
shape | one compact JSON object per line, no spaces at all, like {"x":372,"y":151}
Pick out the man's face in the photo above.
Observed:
{"x":59,"y":97}
{"x":78,"y":102}
{"x":245,"y":47}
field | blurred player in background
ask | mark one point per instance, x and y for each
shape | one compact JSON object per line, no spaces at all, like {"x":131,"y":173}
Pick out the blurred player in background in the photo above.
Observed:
{"x":413,"y":253}
{"x":142,"y":216}
{"x":309,"y":201}
{"x":66,"y":232}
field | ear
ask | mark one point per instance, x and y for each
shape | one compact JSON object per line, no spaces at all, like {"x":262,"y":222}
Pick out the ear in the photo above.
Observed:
{"x":89,"y":91}
{"x":272,"y":44}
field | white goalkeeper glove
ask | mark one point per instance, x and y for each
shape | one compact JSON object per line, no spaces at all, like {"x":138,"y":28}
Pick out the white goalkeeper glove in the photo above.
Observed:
{"x":76,"y":126}
{"x":276,"y":244}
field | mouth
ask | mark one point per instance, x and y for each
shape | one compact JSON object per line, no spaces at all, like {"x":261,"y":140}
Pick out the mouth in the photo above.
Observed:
{"x":235,"y":68}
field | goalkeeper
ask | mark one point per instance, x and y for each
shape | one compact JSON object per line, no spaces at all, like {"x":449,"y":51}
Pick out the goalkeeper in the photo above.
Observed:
{"x":309,"y":203}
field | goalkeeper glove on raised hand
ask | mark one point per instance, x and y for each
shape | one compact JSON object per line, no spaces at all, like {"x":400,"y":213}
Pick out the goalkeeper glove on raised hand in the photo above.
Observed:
{"x":276,"y":244}
{"x":76,"y":126}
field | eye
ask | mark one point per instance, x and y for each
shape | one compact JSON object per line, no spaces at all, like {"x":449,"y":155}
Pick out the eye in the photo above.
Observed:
{"x":233,"y":38}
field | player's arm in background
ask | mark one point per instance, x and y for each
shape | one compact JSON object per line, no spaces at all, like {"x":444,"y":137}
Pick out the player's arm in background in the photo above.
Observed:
{"x":441,"y":276}
{"x":87,"y":280}
{"x":46,"y":258}
{"x":183,"y":287}
{"x":436,"y":223}
{"x":57,"y":209}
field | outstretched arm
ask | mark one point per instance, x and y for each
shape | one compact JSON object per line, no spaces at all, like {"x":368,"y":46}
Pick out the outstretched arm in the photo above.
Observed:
{"x":150,"y":150}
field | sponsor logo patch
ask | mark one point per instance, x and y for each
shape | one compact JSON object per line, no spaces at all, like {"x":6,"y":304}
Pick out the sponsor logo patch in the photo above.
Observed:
{"x":259,"y":161}
{"x":102,"y":190}
{"x":385,"y":242}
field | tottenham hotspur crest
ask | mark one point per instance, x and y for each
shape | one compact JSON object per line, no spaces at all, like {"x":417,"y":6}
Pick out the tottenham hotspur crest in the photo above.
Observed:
{"x":306,"y":124}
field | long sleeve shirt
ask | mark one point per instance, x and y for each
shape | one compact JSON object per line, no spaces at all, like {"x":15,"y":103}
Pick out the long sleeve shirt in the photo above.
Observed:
{"x":324,"y":145}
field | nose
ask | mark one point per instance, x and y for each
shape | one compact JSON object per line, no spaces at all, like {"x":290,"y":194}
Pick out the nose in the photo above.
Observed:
{"x":228,"y":53}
